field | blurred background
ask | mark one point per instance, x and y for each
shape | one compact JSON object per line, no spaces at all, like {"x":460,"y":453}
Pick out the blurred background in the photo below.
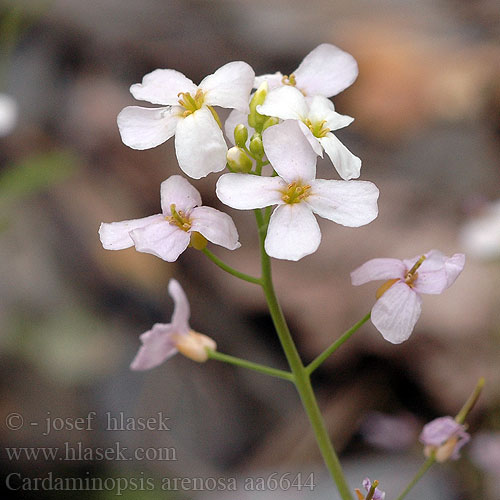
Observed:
{"x":427,"y":126}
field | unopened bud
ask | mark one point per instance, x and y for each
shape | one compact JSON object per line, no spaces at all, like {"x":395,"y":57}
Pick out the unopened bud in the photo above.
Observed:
{"x":198,"y":241}
{"x":240,"y":135}
{"x":238,"y":160}
{"x":194,"y":346}
{"x":256,"y":146}
{"x":255,"y":119}
{"x":272,"y":120}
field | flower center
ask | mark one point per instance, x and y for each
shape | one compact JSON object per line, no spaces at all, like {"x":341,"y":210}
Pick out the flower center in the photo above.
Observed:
{"x":190,"y":103}
{"x":178,"y":218}
{"x":318,"y":128}
{"x":412,"y":274}
{"x":295,"y":192}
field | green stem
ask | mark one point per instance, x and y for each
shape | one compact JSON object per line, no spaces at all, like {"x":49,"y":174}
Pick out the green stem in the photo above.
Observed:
{"x":300,"y":374}
{"x":267,"y":370}
{"x":423,"y":469}
{"x":317,"y":362}
{"x":230,"y":270}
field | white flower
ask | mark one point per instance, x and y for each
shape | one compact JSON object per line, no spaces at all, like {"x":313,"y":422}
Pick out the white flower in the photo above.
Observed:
{"x":317,"y":118}
{"x":325,"y":71}
{"x":164,"y":340}
{"x":168,"y":234}
{"x":199,"y":143}
{"x":8,"y":114}
{"x":293,"y":230}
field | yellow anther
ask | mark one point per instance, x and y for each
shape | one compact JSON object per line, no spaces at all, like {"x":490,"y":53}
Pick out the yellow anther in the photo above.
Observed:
{"x":289,"y":80}
{"x":295,"y":192}
{"x":178,"y":218}
{"x":318,"y":128}
{"x":190,"y":103}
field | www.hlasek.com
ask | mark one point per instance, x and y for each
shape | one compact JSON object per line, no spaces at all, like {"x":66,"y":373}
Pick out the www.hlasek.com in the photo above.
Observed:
{"x":77,"y":452}
{"x":285,"y":481}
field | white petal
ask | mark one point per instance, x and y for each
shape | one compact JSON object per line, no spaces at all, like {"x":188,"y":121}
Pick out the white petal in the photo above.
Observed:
{"x":116,"y":235}
{"x":293,"y":232}
{"x":350,"y":203}
{"x":166,"y":241}
{"x":319,"y":108}
{"x":313,"y":141}
{"x":326,"y":71}
{"x":180,"y":316}
{"x":347,"y":165}
{"x":378,"y":269}
{"x":229,"y":86}
{"x":336,"y":121}
{"x":396,"y":312}
{"x":8,"y":114}
{"x":163,"y":86}
{"x":235,"y":118}
{"x":246,"y":191}
{"x":144,"y":128}
{"x":274,"y":80}
{"x":180,"y":192}
{"x":158,"y":345}
{"x":286,"y":103}
{"x":289,"y":152}
{"x":199,"y":144}
{"x":216,"y":226}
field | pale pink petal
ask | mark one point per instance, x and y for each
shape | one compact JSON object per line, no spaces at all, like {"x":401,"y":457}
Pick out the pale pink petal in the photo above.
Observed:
{"x":293,"y":232}
{"x":229,"y":86}
{"x":396,"y":312}
{"x":335,"y":121}
{"x":166,"y":241}
{"x":289,"y":152}
{"x":157,"y":346}
{"x":286,"y":103}
{"x":313,"y":141}
{"x":326,"y":71}
{"x":216,"y":226}
{"x":350,"y":203}
{"x":235,"y":118}
{"x":180,"y":316}
{"x":178,"y":191}
{"x":378,"y":269}
{"x":347,"y":165}
{"x":116,"y":235}
{"x":273,"y":80}
{"x":454,"y":266}
{"x":199,"y":144}
{"x":162,"y":86}
{"x":319,"y":108}
{"x":245,"y":191}
{"x":144,"y":128}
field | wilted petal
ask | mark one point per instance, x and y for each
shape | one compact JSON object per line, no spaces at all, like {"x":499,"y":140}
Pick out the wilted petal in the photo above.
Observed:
{"x":378,"y":269}
{"x":274,"y":80}
{"x":245,"y":191}
{"x":199,"y":144}
{"x":180,"y":316}
{"x":229,"y":86}
{"x":289,"y":152}
{"x":396,"y":312}
{"x":162,"y":86}
{"x":116,"y":235}
{"x":144,"y":128}
{"x":347,"y":165}
{"x":286,"y":103}
{"x":235,"y":118}
{"x":157,"y":346}
{"x":293,"y":232}
{"x":178,"y":191}
{"x":326,"y":71}
{"x":350,"y":203}
{"x":216,"y":226}
{"x":166,"y":241}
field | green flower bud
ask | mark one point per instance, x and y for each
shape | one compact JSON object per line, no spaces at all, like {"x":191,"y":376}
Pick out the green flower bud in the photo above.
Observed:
{"x":256,"y":146}
{"x":255,"y":119}
{"x":272,"y":120}
{"x":240,"y":135}
{"x":238,"y":160}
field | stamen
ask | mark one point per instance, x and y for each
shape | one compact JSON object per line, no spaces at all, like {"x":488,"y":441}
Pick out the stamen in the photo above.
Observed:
{"x":412,"y":275}
{"x":289,"y":80}
{"x":295,"y":192}
{"x":178,"y":218}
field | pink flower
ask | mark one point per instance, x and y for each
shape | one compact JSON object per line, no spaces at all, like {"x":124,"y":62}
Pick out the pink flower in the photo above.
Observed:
{"x":164,"y":340}
{"x":443,"y":436}
{"x":399,"y":303}
{"x":168,"y":234}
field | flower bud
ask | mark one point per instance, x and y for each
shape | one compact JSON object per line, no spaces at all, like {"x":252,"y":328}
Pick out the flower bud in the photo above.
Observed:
{"x":272,"y":120}
{"x":240,"y":135}
{"x":194,"y":346}
{"x":256,"y":146}
{"x":238,"y":160}
{"x":255,"y":119}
